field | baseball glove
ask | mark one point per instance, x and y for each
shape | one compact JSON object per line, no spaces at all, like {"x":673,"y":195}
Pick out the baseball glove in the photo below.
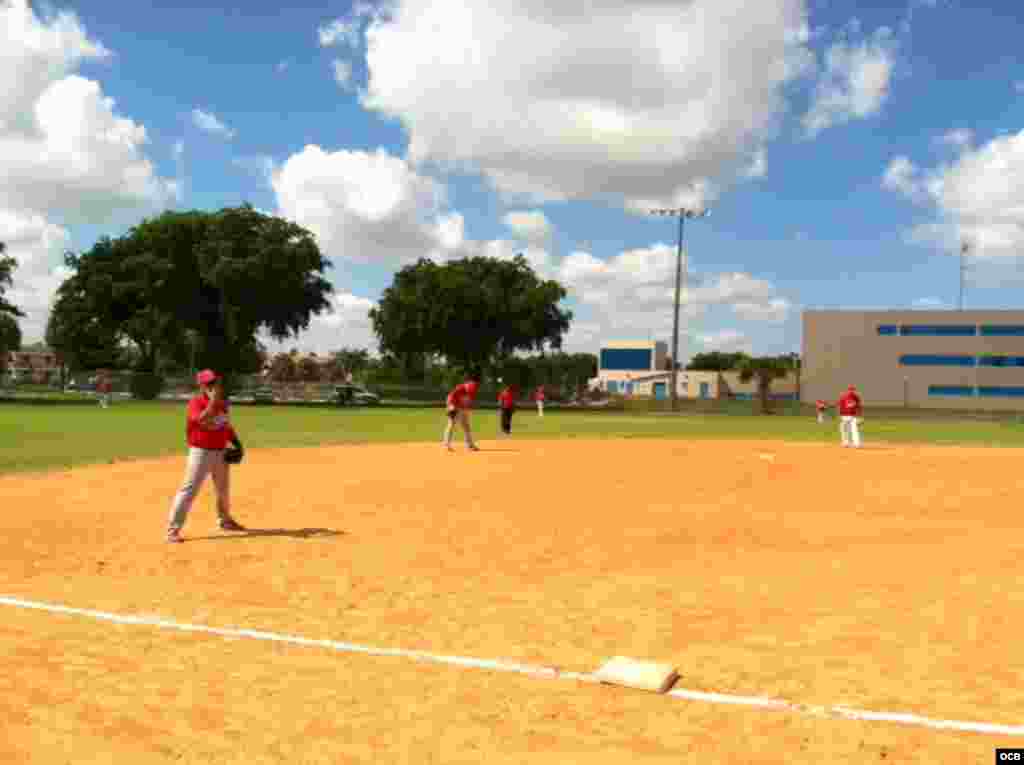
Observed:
{"x":234,"y":455}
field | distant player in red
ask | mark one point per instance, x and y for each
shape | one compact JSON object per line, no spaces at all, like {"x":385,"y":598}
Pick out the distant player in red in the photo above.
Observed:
{"x":458,"y":403}
{"x":822,"y":407}
{"x":208,"y":432}
{"x":103,"y":387}
{"x":538,"y":396}
{"x":507,"y":402}
{"x":850,"y":411}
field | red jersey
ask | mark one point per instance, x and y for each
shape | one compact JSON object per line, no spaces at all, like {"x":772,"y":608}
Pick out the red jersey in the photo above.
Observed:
{"x":849,"y":404}
{"x":214,"y":436}
{"x":538,"y":394}
{"x":821,"y":405}
{"x":462,"y":396}
{"x":507,"y":399}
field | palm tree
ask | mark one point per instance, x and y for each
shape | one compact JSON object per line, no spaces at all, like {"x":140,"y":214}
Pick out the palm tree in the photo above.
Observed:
{"x":766,"y":370}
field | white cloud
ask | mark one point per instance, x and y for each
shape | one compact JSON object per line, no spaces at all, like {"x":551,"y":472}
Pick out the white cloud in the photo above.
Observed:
{"x":367,"y":206}
{"x":758,"y":167}
{"x":855,"y":83}
{"x":959,"y":138}
{"x":979,"y":198}
{"x":636,"y":102}
{"x":338,"y":32}
{"x":64,"y":152}
{"x":726,"y":341}
{"x":901,"y":175}
{"x":530,"y":226}
{"x":211,"y":123}
{"x":347,"y":326}
{"x":39,"y":248}
{"x":342,"y":72}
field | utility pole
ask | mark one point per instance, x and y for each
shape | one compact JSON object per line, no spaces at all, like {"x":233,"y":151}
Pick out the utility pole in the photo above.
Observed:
{"x":682,"y":214}
{"x":965,"y":248}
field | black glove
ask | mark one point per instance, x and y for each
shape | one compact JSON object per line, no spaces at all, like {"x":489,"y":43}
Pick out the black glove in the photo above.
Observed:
{"x":236,"y":454}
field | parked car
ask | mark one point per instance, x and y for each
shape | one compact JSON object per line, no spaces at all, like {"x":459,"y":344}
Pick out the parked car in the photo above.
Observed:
{"x":353,"y":395}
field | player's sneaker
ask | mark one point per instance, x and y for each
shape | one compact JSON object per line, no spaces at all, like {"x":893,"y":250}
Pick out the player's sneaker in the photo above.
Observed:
{"x":230,"y":524}
{"x":174,"y":536}
{"x":474,"y":448}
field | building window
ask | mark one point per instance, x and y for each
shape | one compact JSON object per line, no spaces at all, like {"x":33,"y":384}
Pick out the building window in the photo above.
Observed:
{"x":1002,"y":391}
{"x":1001,"y":361}
{"x":613,"y":387}
{"x":912,"y":360}
{"x":1002,"y":330}
{"x":938,"y":330}
{"x":888,"y":329}
{"x":950,"y":390}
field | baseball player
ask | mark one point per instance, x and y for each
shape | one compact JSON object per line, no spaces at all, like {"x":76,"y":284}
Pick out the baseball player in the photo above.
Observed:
{"x":538,"y":396}
{"x":822,"y":407}
{"x":507,"y":402}
{"x":103,"y":387}
{"x":208,"y":431}
{"x":458,"y":403}
{"x":850,"y":411}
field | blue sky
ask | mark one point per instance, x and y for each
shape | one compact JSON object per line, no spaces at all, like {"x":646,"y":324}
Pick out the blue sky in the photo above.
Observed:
{"x":821,"y":135}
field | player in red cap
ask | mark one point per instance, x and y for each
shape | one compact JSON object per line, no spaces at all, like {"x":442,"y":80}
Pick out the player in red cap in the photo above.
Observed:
{"x":850,"y":410}
{"x":459,"y":402}
{"x":208,"y":431}
{"x":507,"y":402}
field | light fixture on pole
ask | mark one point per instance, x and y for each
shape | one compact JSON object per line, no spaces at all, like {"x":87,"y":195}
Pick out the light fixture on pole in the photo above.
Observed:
{"x":682,"y":213}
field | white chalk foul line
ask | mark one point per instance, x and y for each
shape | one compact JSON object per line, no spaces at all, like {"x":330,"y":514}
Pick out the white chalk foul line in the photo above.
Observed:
{"x":551,"y":673}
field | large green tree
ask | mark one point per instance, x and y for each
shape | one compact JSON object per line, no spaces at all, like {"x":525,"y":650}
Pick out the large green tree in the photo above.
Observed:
{"x":474,"y":312}
{"x":197,"y":286}
{"x":716,"y":361}
{"x":764,"y":370}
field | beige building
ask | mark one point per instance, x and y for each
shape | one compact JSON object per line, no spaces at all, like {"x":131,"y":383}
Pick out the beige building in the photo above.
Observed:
{"x":929,"y":359}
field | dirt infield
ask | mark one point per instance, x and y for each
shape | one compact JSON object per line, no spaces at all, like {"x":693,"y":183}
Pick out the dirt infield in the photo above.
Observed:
{"x":885,"y":579}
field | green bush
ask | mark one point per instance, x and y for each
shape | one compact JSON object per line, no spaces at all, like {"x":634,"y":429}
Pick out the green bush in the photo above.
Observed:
{"x":146,"y":386}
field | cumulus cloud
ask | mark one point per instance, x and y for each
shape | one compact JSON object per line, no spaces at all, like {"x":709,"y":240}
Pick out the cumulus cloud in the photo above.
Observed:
{"x":64,"y":152}
{"x":855,"y":83}
{"x":979,"y":198}
{"x":367,"y":207}
{"x":958,"y":138}
{"x":39,"y":248}
{"x":210,"y":123}
{"x":529,"y":225}
{"x":347,"y":326}
{"x":726,"y":341}
{"x":342,"y":72}
{"x":645,"y":102}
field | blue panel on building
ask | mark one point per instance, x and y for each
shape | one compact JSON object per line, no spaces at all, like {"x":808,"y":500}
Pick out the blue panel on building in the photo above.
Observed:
{"x":1002,"y":391}
{"x":939,"y":330}
{"x":1001,"y":361}
{"x":613,"y":387}
{"x":888,"y":329}
{"x":917,"y":360}
{"x":660,"y":391}
{"x":627,"y":359}
{"x":950,"y":390}
{"x":1002,"y":330}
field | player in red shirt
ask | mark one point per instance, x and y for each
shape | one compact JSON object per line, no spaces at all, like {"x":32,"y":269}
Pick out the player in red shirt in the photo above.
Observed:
{"x":208,"y":432}
{"x":822,"y":407}
{"x":507,"y":402}
{"x":850,"y":411}
{"x":458,"y":403}
{"x":538,"y":396}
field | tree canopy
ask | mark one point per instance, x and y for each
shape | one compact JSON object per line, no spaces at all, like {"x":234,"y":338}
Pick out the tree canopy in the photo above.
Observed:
{"x":222,"y":276}
{"x":765,"y":370}
{"x":716,"y":361}
{"x":474,"y":312}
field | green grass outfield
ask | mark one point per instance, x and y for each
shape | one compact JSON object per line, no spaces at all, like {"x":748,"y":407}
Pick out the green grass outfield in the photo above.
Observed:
{"x":37,"y":438}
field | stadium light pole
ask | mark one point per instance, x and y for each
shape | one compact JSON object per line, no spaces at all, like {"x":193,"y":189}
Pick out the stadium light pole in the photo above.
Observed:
{"x":682,"y":213}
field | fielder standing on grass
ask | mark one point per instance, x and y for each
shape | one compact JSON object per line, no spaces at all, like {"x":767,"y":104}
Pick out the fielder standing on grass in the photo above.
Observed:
{"x":538,"y":396}
{"x":850,"y":411}
{"x":208,"y":431}
{"x":458,"y":403}
{"x":507,"y":402}
{"x":103,"y":387}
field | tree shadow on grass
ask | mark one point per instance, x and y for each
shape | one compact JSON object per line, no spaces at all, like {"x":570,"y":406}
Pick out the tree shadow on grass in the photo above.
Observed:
{"x":293,"y":533}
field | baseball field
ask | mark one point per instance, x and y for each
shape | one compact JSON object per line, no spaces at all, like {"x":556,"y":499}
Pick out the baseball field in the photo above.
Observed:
{"x":394,"y":602}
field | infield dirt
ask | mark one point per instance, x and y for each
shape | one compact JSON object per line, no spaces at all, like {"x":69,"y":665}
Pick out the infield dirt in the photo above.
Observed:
{"x":885,"y":579}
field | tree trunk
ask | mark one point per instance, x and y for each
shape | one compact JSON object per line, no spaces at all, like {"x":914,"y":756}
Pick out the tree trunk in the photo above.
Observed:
{"x":763,"y":386}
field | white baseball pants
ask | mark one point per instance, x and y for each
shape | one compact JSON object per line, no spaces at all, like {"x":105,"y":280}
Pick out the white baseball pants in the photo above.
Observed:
{"x":202,"y":463}
{"x":849,"y":430}
{"x":462,"y":417}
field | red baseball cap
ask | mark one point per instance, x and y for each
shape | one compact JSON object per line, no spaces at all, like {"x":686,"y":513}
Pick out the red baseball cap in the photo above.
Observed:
{"x":206,"y":377}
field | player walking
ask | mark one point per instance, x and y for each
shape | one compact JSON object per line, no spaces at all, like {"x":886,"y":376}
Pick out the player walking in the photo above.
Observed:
{"x":850,"y":410}
{"x":103,"y":387}
{"x":208,"y":432}
{"x":538,"y":396}
{"x":507,"y":402}
{"x":458,"y":403}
